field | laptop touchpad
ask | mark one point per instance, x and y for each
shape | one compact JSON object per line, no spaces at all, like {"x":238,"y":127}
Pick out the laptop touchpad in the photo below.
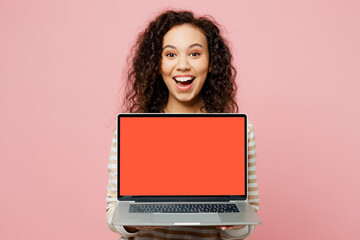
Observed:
{"x":186,"y":217}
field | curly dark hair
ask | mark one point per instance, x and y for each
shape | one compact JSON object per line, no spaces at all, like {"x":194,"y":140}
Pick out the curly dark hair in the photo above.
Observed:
{"x":146,"y":92}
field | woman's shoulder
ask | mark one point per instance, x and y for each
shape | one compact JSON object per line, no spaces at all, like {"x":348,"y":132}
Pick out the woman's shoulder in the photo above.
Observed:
{"x":250,"y":127}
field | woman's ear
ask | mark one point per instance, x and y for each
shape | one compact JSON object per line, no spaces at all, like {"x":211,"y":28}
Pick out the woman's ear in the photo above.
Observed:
{"x":209,"y":70}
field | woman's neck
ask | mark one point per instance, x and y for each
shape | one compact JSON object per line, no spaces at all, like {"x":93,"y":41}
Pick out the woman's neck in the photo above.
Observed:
{"x":175,"y":106}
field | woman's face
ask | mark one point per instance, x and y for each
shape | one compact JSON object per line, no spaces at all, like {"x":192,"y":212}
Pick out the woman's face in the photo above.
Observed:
{"x":184,"y":63}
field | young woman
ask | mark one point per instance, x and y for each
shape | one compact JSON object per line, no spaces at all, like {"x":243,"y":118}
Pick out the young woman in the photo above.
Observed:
{"x":181,"y":64}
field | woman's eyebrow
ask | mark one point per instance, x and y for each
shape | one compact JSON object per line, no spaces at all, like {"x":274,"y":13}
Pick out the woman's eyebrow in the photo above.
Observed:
{"x":195,"y":44}
{"x":192,"y":45}
{"x":169,"y":46}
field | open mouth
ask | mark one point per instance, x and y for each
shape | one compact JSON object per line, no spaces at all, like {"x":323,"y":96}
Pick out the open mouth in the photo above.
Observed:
{"x":184,"y":81}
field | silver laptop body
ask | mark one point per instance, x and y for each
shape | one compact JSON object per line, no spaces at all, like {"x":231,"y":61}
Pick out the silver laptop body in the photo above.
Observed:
{"x":132,"y":210}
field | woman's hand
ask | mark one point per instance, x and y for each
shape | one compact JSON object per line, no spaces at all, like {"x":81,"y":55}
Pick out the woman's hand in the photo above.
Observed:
{"x":235,"y":227}
{"x":132,"y":229}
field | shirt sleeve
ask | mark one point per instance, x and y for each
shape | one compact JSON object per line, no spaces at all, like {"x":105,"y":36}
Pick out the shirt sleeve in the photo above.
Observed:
{"x":111,"y":198}
{"x":253,"y":192}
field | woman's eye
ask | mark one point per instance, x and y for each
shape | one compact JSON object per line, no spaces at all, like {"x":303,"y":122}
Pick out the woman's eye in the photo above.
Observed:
{"x":195,"y":54}
{"x":170,"y":55}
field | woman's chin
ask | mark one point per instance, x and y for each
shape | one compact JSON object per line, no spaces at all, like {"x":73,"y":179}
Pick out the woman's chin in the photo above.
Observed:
{"x":188,"y":98}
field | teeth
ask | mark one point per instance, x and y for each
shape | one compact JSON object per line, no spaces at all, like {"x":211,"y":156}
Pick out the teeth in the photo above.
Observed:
{"x":183,"y":79}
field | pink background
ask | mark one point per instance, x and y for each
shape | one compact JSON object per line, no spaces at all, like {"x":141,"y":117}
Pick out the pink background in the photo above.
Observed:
{"x":60,"y":69}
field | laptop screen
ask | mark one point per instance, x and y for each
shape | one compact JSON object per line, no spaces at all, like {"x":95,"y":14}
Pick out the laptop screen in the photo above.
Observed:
{"x":181,"y":154}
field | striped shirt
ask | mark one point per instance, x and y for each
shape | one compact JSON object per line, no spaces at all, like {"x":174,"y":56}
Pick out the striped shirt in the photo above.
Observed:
{"x":188,"y":232}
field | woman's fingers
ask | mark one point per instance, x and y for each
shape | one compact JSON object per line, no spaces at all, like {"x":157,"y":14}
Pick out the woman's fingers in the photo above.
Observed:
{"x":234,"y":227}
{"x":147,"y":228}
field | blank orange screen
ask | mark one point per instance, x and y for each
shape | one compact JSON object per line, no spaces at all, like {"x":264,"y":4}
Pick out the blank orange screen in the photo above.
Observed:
{"x":182,"y":156}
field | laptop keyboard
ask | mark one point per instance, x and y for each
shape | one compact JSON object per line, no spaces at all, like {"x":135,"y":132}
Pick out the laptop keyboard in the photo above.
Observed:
{"x":183,"y":208}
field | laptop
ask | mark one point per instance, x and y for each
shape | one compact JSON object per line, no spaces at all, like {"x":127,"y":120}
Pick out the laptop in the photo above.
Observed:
{"x":182,"y":170}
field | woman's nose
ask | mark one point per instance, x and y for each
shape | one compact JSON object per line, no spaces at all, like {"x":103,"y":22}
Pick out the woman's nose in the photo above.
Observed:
{"x":183,"y":64}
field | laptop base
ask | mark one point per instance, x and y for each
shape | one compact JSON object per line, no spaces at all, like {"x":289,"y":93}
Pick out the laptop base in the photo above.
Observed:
{"x":246,"y":216}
